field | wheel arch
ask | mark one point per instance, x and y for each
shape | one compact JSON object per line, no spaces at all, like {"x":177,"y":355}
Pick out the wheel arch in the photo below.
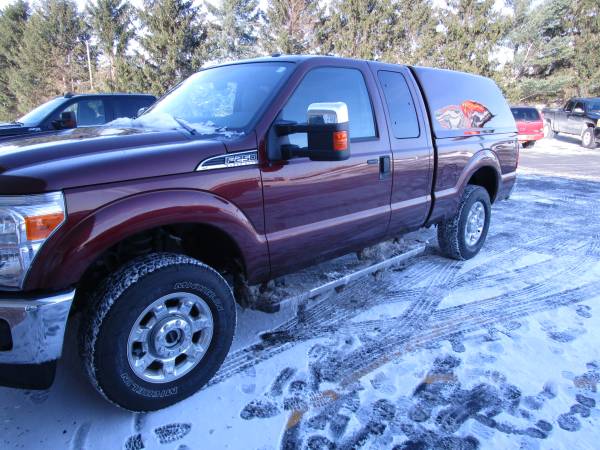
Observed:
{"x":70,"y":255}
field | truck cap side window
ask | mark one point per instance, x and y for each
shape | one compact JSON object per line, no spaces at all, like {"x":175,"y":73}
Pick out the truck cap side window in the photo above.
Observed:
{"x":332,"y":84}
{"x":401,"y":107}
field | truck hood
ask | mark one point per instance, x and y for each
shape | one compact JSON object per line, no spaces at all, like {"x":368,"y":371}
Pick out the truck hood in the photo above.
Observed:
{"x":89,"y":156}
{"x":15,"y":129}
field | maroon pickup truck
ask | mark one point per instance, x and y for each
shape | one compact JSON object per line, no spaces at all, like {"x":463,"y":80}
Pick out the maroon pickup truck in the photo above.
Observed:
{"x":244,"y":172}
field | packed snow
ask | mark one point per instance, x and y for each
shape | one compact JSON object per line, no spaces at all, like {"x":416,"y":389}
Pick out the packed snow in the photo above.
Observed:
{"x":497,"y":352}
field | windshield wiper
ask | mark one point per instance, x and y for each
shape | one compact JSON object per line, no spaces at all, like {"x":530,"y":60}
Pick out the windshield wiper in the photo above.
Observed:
{"x":16,"y":122}
{"x":185,"y":125}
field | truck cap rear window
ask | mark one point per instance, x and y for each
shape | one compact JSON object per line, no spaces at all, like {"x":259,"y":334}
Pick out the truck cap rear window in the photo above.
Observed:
{"x":463,"y":104}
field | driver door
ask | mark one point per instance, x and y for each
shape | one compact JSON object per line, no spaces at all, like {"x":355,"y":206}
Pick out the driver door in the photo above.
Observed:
{"x":318,"y":210}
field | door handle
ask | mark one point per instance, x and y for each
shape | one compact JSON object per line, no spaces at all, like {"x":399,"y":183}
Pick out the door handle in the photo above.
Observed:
{"x":385,"y":167}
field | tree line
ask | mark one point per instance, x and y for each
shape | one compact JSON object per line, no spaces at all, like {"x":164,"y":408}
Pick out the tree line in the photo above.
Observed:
{"x":536,"y":51}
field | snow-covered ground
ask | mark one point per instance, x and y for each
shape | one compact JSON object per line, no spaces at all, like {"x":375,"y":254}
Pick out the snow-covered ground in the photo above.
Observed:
{"x":497,"y":352}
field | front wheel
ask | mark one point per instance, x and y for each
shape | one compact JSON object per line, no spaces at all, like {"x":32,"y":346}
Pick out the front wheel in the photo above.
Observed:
{"x":588,"y":139}
{"x":462,"y":236}
{"x":157,"y":330}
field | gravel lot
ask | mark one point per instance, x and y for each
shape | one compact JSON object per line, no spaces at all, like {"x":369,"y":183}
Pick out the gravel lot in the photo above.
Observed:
{"x":497,"y":352}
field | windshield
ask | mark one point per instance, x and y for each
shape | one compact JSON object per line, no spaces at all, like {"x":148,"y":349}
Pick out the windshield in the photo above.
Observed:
{"x":593,"y":107}
{"x":33,"y":118}
{"x":222,"y":100}
{"x":526,"y":114}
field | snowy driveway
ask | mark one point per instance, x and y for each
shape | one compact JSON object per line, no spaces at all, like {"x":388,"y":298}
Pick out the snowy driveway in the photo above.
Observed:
{"x":497,"y":352}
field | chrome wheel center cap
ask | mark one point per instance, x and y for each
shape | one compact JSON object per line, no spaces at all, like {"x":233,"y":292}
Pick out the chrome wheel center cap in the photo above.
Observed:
{"x":172,"y":337}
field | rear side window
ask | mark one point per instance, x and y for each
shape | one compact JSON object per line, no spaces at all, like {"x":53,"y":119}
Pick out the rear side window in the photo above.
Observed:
{"x":526,"y":114}
{"x":332,"y":84}
{"x":401,"y":107}
{"x":129,"y":106}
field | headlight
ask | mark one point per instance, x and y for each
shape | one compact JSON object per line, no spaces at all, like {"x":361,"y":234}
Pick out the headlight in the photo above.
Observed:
{"x":25,"y":223}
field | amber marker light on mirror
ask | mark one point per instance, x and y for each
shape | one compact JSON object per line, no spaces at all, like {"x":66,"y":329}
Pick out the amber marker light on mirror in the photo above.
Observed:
{"x":340,"y":141}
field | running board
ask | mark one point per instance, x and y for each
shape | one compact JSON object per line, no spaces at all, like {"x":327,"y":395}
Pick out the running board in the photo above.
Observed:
{"x":343,"y":281}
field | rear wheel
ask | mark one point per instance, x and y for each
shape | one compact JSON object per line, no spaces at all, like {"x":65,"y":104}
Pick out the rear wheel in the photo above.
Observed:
{"x":548,"y":131}
{"x":528,"y":144}
{"x":157,"y":331}
{"x":588,"y":139}
{"x":462,"y":236}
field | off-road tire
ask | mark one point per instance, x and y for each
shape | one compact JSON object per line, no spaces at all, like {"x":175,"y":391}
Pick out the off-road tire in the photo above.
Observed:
{"x":549,"y":133}
{"x":528,"y":144}
{"x":113,"y":310}
{"x":588,"y":140}
{"x":451,"y":231}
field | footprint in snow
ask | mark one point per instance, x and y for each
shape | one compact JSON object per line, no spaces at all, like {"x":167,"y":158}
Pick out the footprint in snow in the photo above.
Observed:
{"x":172,"y":432}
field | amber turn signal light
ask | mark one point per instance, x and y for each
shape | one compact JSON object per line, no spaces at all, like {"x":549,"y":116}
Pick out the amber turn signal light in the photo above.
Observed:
{"x":40,"y":227}
{"x":340,"y":141}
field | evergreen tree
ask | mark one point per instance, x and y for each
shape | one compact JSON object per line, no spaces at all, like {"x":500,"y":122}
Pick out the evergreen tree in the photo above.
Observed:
{"x":13,"y":19}
{"x":172,"y":45}
{"x":414,"y":33}
{"x":543,"y":52}
{"x":471,"y":32}
{"x":111,"y":23}
{"x":359,"y":29}
{"x":52,"y":56}
{"x":235,"y":34}
{"x":586,"y":44}
{"x":290,"y":26}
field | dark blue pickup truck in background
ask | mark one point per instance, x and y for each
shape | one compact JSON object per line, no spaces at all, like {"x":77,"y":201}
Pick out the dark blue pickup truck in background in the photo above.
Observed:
{"x":70,"y":111}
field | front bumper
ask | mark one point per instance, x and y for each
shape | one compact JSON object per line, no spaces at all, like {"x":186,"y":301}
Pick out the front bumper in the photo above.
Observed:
{"x":32,"y":330}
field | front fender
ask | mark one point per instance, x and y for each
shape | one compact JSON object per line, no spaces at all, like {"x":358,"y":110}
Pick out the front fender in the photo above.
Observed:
{"x":67,"y":255}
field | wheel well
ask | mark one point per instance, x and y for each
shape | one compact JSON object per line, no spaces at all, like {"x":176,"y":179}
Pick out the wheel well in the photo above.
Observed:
{"x":202,"y":242}
{"x":486,"y":177}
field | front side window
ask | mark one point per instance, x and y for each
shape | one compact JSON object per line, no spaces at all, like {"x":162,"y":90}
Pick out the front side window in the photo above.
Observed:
{"x":87,"y":112}
{"x":569,"y":106}
{"x":403,"y":116}
{"x":219,"y":100}
{"x":332,"y":84}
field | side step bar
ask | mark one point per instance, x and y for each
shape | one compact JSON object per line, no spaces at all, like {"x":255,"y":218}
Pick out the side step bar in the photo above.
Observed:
{"x":345,"y":280}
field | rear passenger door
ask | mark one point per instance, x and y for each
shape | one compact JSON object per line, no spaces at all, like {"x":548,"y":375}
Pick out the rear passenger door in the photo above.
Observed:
{"x":316,"y":210}
{"x":411,"y":147}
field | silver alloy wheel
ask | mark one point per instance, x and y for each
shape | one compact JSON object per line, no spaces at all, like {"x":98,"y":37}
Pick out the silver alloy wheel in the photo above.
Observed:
{"x":475,"y":223}
{"x":170,"y":337}
{"x":587,"y":138}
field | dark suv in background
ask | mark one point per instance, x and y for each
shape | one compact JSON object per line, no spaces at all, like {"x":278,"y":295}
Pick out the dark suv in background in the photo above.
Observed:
{"x":70,"y":111}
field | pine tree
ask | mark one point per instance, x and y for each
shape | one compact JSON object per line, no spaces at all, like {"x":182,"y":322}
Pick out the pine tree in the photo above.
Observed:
{"x":172,"y":45}
{"x":235,"y":34}
{"x":414,"y":33}
{"x":52,"y":56}
{"x":111,"y":23}
{"x":586,"y":45}
{"x":542,"y":44}
{"x":290,"y":26}
{"x":13,"y":19}
{"x":471,"y":32}
{"x":359,"y":29}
